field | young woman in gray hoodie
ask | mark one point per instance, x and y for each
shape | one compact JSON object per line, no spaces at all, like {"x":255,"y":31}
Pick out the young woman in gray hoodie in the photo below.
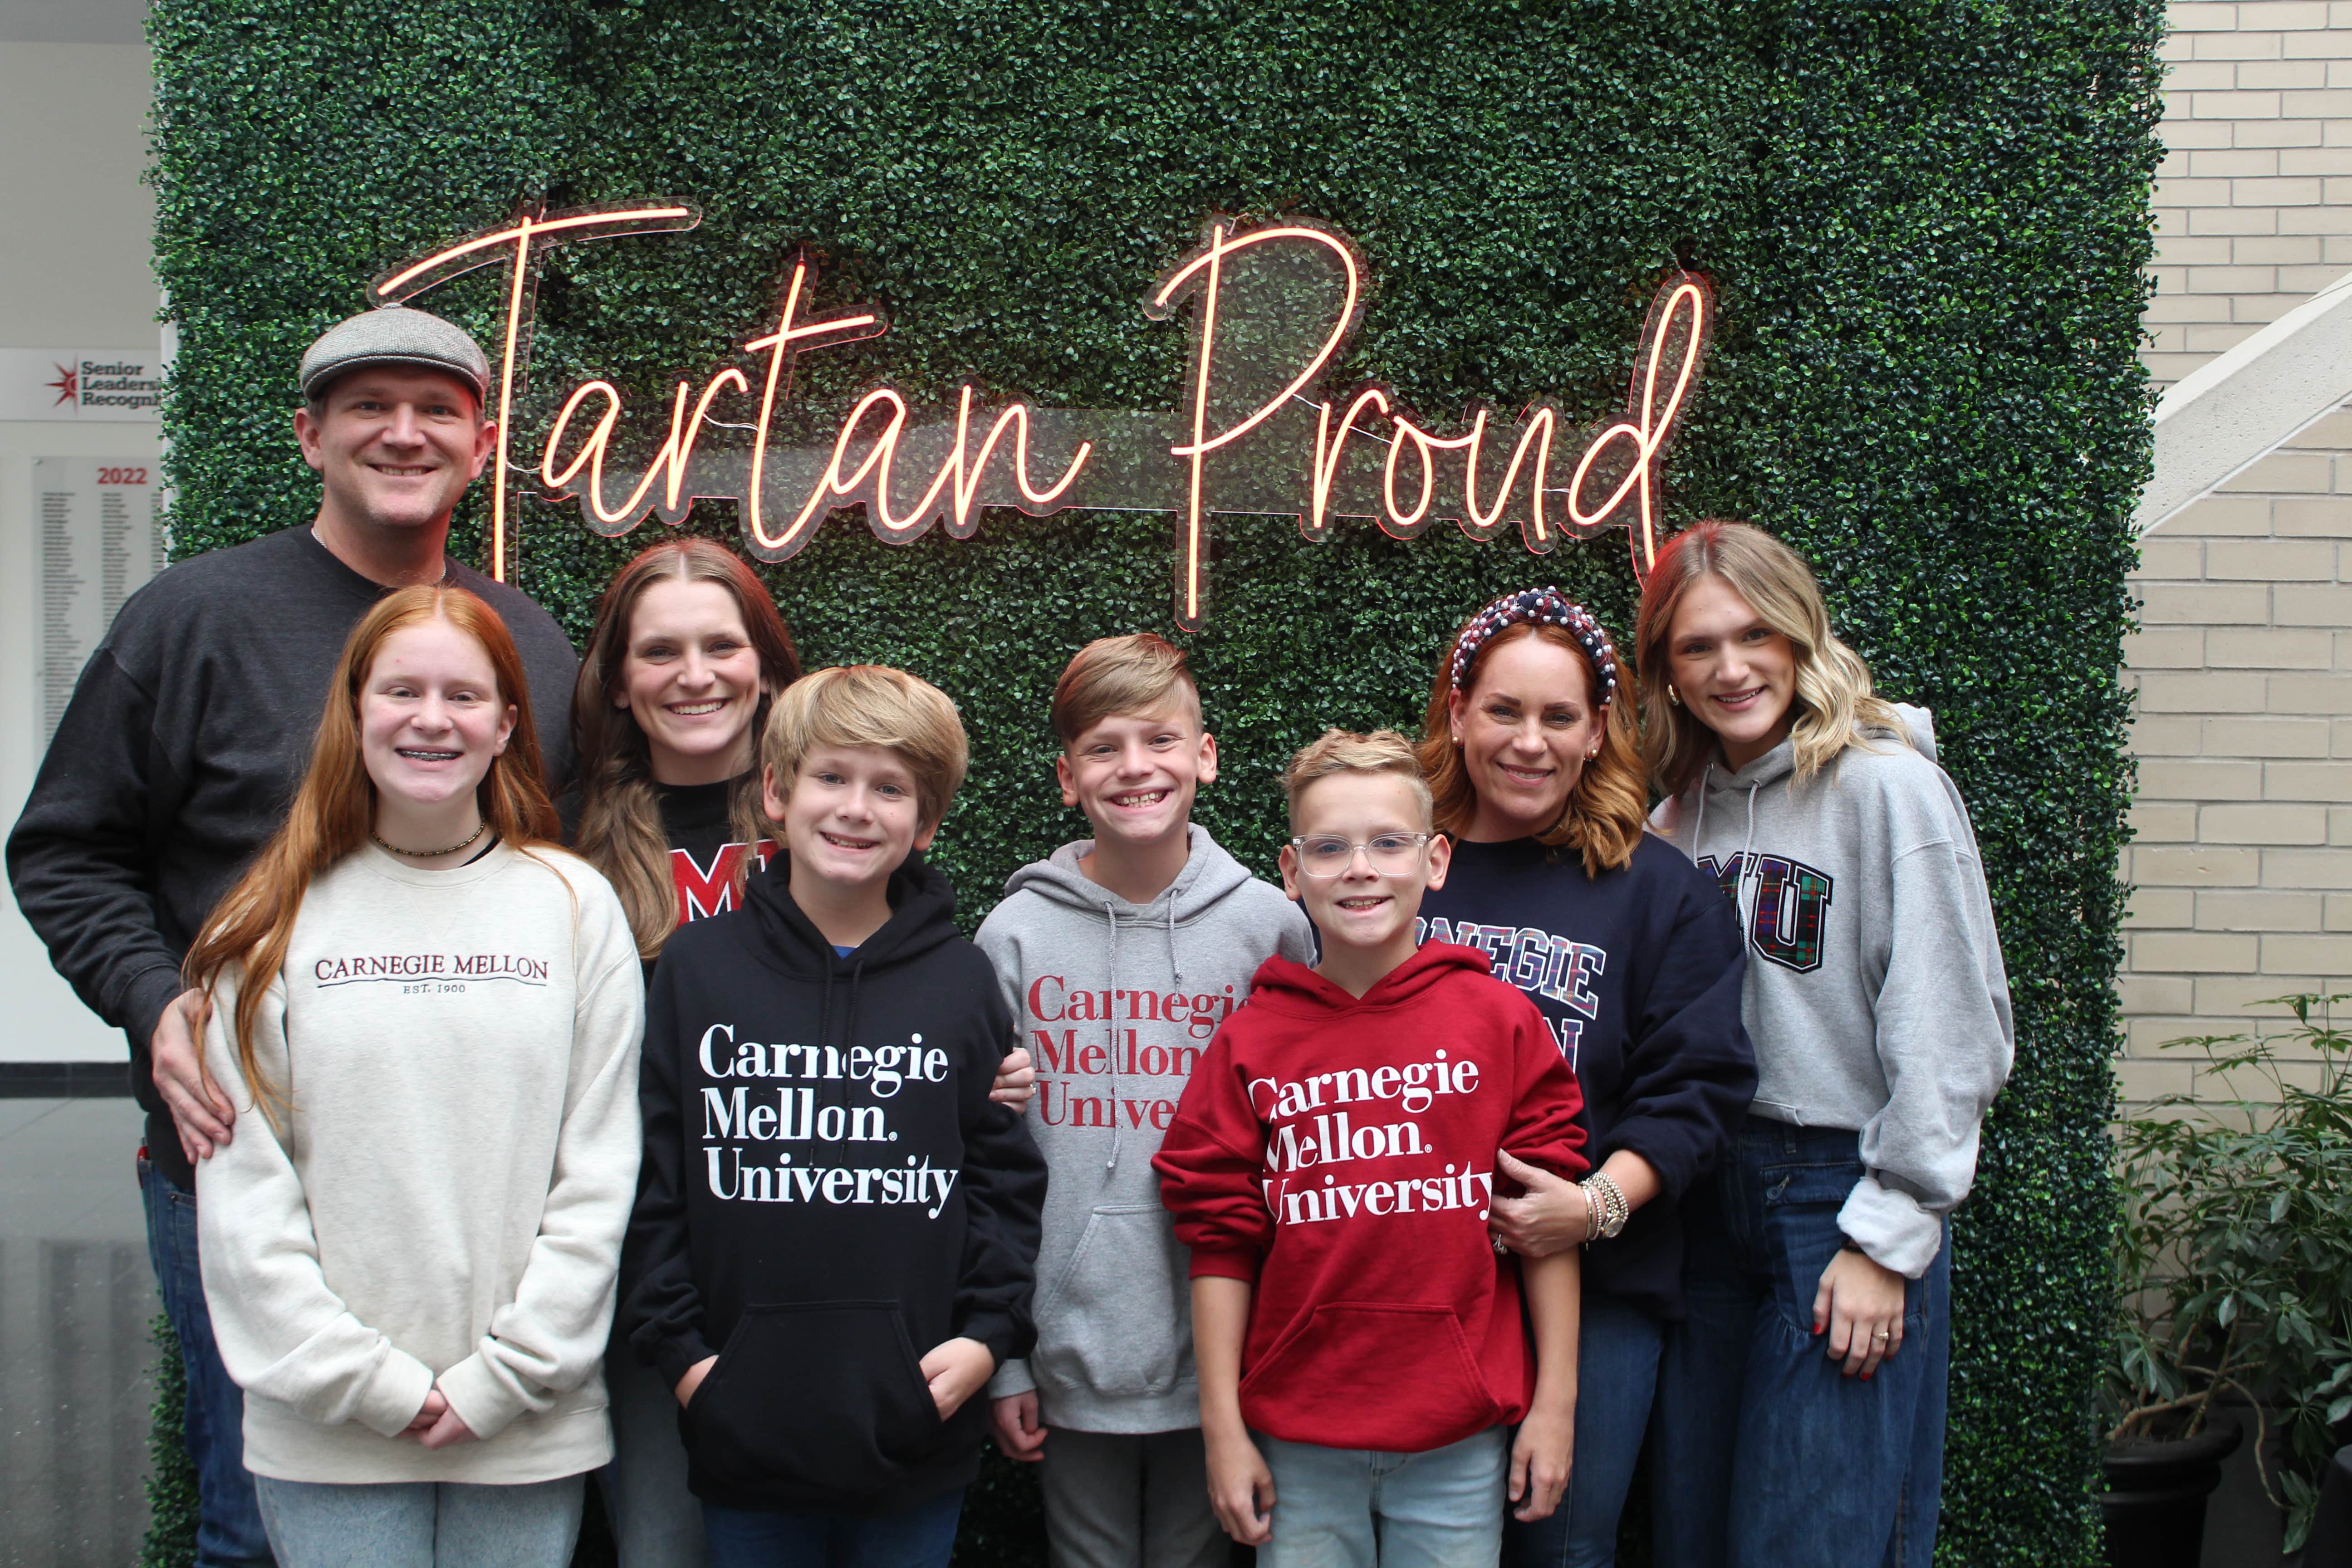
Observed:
{"x":1814,"y":1360}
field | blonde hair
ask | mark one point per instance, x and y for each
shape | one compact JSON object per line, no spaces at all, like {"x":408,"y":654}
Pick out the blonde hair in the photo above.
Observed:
{"x":1133,"y":674}
{"x":334,"y":810}
{"x":620,"y":812}
{"x":1834,"y":701}
{"x":871,"y":705}
{"x":1602,"y":818}
{"x":1345,"y":751}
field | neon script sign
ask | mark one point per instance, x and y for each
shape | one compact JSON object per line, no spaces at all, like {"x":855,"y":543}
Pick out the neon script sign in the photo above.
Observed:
{"x":1271,"y":309}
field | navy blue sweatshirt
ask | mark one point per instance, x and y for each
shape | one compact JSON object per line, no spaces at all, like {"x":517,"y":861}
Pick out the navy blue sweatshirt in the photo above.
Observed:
{"x":828,"y":1192}
{"x":1638,"y":973}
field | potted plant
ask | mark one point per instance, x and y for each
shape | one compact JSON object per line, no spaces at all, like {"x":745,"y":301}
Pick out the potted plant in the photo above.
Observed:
{"x":2234,"y":1268}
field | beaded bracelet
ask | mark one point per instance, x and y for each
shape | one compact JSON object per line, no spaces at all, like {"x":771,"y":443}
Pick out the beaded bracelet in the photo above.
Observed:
{"x":1605,"y":1208}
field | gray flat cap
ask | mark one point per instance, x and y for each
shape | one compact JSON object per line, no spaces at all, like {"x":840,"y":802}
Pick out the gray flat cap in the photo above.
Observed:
{"x":396,"y":334}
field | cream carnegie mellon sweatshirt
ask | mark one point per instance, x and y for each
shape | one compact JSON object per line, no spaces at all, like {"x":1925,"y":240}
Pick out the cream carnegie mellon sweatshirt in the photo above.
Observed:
{"x":446,"y":1198}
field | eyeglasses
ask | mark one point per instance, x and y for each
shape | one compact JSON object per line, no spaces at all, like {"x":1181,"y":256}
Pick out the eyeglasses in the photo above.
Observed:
{"x":1328,"y":855}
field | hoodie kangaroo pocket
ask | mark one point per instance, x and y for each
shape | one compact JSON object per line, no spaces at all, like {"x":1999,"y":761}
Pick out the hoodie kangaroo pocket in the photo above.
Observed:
{"x":1312,"y":1386}
{"x":1115,"y":1320}
{"x":826,"y":1394}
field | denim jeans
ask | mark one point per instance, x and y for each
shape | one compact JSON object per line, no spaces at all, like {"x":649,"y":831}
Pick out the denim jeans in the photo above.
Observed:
{"x":1352,"y":1508}
{"x":1616,"y":1379}
{"x":1782,"y":1459}
{"x":423,"y":1524}
{"x":922,"y":1536}
{"x":656,"y":1522}
{"x":228,"y":1524}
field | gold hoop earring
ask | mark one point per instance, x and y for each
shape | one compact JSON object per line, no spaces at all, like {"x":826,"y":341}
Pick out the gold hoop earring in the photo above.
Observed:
{"x":1672,"y":696}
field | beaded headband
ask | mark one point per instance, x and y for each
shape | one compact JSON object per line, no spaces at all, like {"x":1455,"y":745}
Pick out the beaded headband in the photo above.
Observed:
{"x":1542,"y":607}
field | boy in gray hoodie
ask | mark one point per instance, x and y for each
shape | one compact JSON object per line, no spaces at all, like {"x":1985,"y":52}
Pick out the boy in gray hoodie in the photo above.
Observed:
{"x":1120,"y":956}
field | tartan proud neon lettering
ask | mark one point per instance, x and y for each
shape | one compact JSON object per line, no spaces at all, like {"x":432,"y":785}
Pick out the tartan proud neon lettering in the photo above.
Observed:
{"x":1270,"y":310}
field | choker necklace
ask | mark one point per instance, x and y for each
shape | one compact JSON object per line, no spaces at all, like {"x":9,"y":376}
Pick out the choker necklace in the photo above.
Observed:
{"x":429,"y":854}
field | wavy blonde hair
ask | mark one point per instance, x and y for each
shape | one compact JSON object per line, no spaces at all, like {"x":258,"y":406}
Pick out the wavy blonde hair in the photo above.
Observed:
{"x":1602,"y":818}
{"x":1834,"y":703}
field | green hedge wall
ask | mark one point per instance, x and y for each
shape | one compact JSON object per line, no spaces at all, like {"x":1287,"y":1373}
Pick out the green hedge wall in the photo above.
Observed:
{"x":1926,"y":220}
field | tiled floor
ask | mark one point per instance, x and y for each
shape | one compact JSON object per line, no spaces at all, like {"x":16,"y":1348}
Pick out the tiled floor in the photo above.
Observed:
{"x":77,"y":1297}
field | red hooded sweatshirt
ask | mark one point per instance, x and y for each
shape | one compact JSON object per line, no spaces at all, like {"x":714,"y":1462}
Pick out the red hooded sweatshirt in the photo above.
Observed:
{"x":1338,"y":1153}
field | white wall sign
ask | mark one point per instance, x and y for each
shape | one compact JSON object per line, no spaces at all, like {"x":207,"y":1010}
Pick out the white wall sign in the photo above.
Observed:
{"x":96,"y":542}
{"x":121,"y":386}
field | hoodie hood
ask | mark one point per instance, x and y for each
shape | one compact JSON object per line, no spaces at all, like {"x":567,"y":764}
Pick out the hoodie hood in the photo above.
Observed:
{"x":922,"y":917}
{"x":1284,"y":986}
{"x":1210,"y":875}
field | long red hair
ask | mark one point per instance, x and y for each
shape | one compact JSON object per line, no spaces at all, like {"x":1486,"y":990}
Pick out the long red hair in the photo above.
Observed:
{"x":335,"y":808}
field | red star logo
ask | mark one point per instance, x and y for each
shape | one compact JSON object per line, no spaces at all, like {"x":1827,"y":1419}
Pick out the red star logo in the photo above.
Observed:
{"x":68,"y":384}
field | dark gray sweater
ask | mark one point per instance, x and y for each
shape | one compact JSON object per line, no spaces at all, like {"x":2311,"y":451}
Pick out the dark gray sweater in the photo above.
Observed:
{"x":188,"y":735}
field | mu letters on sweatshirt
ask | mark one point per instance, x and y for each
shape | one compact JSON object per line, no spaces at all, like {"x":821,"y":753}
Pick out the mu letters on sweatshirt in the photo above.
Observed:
{"x":1338,"y":1152}
{"x":1116,"y":1002}
{"x":828,"y":1194}
{"x":445,"y":1200}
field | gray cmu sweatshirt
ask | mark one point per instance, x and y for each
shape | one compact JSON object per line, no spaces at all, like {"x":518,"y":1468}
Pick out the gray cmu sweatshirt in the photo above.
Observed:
{"x":1116,"y":1003}
{"x":1875,"y":997}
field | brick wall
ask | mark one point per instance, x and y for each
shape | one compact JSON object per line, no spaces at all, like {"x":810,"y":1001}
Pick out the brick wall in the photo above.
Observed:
{"x":2242,"y":863}
{"x":2255,"y":198}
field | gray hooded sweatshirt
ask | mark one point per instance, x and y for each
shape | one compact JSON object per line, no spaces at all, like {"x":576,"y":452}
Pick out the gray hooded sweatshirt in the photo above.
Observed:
{"x":1116,"y":1003}
{"x":1875,"y":995}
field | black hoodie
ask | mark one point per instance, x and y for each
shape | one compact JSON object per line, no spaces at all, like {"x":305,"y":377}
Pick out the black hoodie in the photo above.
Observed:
{"x":827,"y":1194}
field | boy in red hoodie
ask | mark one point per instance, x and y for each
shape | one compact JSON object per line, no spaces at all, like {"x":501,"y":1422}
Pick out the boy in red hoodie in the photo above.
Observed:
{"x":1361,"y":1348}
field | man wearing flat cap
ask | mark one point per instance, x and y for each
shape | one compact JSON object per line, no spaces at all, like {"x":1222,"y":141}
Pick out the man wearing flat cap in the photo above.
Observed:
{"x":186,"y":737}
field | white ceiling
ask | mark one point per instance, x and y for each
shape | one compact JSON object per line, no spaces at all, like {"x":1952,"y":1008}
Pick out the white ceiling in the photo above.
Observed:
{"x":73,"y":21}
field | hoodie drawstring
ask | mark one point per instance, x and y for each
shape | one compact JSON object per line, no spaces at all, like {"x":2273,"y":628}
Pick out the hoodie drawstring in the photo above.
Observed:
{"x":1110,"y":1035}
{"x":1174,"y":968}
{"x":1747,"y":917}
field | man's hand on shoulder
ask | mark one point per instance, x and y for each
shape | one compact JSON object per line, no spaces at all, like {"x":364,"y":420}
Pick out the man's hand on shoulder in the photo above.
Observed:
{"x":201,"y":1114}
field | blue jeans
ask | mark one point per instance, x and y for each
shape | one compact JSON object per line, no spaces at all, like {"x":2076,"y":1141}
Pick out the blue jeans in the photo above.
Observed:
{"x":1353,"y":1508}
{"x":656,"y":1522}
{"x":1782,"y":1459}
{"x":229,"y":1525}
{"x":423,"y":1524}
{"x":1616,"y":1379}
{"x":922,"y":1536}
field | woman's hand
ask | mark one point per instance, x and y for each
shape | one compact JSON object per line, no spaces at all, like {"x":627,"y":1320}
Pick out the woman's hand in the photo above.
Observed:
{"x":1861,"y":1306}
{"x":956,"y":1370}
{"x":1241,"y":1488}
{"x":1551,"y":1218}
{"x":693,"y":1380}
{"x":1016,"y":1081}
{"x":1541,"y":1457}
{"x":436,"y":1426}
{"x":1019,"y":1433}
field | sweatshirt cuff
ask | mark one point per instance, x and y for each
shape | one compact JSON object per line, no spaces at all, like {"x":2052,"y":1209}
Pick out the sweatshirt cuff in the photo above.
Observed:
{"x":997,"y":1330}
{"x":676,"y":1358}
{"x":394,"y":1394}
{"x":1892,"y":1228}
{"x":148,"y":991}
{"x":1011,"y":1377}
{"x":1241,"y":1263}
{"x":482,"y":1401}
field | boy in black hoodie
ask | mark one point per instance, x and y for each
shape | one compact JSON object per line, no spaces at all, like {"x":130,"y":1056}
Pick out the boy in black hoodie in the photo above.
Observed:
{"x":835,"y":1231}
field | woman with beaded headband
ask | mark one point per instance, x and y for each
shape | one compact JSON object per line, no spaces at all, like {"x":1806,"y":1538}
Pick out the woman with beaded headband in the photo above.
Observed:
{"x":1804,"y":1395}
{"x":1529,"y":746}
{"x":686,"y":656}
